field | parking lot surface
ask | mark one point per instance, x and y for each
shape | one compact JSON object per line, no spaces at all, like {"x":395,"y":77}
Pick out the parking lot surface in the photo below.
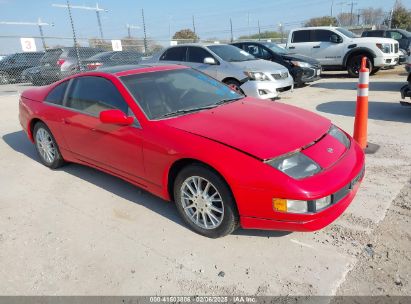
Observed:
{"x":78,"y":231}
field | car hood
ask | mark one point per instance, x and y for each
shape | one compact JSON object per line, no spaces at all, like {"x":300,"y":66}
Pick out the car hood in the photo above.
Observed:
{"x":302,"y":58}
{"x":373,"y":40}
{"x":262,"y":129}
{"x":259,"y":65}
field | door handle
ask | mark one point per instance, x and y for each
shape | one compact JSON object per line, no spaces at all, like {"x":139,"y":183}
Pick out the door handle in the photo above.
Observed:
{"x":316,"y":47}
{"x":291,"y":47}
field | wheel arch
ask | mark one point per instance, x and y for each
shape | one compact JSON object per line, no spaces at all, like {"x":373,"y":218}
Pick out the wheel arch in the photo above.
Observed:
{"x":235,"y":79}
{"x":358,"y":51}
{"x":179,"y":165}
{"x":30,"y":127}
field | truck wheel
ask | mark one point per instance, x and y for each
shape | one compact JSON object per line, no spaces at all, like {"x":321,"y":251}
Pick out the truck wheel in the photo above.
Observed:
{"x":374,"y":70}
{"x":354,"y":65}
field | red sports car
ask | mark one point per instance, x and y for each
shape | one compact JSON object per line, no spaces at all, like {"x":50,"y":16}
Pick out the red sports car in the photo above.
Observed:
{"x":224,"y":159}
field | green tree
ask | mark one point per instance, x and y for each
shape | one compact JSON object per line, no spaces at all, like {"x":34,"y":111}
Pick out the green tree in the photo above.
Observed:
{"x":401,"y":17}
{"x":186,"y":34}
{"x":322,"y":21}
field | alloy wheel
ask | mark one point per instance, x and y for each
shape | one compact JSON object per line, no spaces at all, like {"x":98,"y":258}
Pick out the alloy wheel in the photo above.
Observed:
{"x":45,"y":145}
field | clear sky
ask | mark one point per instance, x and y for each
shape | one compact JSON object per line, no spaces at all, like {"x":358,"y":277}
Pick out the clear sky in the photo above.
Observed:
{"x":211,"y":16}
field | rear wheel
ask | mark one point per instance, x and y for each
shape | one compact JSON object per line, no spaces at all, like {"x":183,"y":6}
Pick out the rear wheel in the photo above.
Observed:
{"x":205,"y":202}
{"x":47,"y":147}
{"x":354,"y":65}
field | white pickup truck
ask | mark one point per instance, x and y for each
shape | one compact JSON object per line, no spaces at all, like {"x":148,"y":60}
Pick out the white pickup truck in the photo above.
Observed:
{"x":339,"y":49}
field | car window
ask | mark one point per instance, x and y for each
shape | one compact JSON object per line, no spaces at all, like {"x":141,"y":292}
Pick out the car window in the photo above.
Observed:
{"x":167,"y":92}
{"x":175,"y":54}
{"x":231,"y":53}
{"x":323,"y":35}
{"x":93,"y":95}
{"x":197,"y":54}
{"x":56,"y":95}
{"x":301,"y":36}
{"x":394,"y":35}
{"x":257,"y":51}
{"x":51,"y":56}
{"x":374,"y":34}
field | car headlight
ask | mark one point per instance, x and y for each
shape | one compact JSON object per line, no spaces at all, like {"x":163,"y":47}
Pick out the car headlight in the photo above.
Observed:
{"x":384,"y":47}
{"x":340,"y":136}
{"x":298,"y":206}
{"x":259,"y":76}
{"x":296,"y":165}
{"x":300,"y":64}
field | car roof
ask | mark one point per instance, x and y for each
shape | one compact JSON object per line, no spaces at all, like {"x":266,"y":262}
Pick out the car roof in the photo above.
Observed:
{"x":130,"y":69}
{"x":315,"y":28}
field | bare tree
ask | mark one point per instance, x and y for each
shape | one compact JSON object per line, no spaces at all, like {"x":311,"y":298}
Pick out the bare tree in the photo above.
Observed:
{"x":345,"y":19}
{"x":372,"y":16}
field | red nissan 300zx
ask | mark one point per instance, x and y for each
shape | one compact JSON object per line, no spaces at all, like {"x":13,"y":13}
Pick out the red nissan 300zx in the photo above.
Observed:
{"x":225,"y":160}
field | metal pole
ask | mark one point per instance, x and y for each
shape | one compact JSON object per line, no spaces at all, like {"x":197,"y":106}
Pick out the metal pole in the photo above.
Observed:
{"x":74,"y":34}
{"x":332,"y":4}
{"x":128,"y":31}
{"x":351,"y":16}
{"x":259,"y":31}
{"x":42,"y":34}
{"x":231,"y":30}
{"x":99,"y":24}
{"x":194,"y":29}
{"x":145,"y":34}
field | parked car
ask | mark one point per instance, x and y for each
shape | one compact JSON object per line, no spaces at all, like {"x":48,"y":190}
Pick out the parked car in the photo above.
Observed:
{"x":107,"y":59}
{"x":59,"y":63}
{"x":406,"y":89}
{"x":225,"y":159}
{"x":302,"y":68}
{"x":337,"y":49}
{"x":236,"y":68}
{"x":402,"y":36}
{"x":2,"y":57}
{"x":13,"y":65}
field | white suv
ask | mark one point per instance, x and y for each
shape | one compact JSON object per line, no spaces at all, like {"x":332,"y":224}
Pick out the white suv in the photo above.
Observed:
{"x":337,"y":48}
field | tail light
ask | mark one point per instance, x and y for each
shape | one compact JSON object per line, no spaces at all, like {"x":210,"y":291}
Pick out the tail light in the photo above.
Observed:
{"x":94,"y":65}
{"x":60,"y":62}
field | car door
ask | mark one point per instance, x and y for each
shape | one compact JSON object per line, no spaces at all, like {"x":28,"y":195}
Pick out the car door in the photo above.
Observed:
{"x":110,"y":146}
{"x":195,"y":59}
{"x":302,"y":43}
{"x":326,"y":51}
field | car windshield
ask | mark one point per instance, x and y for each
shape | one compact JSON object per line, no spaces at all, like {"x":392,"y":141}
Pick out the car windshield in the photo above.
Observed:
{"x":176,"y":92}
{"x":347,"y":33}
{"x":405,"y":33}
{"x":231,"y":53}
{"x":275,"y":48}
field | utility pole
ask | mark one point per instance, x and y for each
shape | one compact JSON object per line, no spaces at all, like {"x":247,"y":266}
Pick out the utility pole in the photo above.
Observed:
{"x":129,"y":27}
{"x":231,"y":30}
{"x":259,"y":31}
{"x":96,"y":8}
{"x":248,"y":23}
{"x":332,"y":5}
{"x":74,"y":34}
{"x":352,"y":8}
{"x":39,"y":23}
{"x":194,"y":29}
{"x":145,"y":33}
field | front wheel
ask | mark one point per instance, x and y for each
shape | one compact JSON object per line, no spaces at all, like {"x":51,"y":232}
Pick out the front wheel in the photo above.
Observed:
{"x":354,"y":65}
{"x":235,"y":85}
{"x":205,"y":202}
{"x":47,"y":147}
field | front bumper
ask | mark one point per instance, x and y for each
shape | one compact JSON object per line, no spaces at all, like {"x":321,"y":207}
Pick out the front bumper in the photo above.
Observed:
{"x":267,"y":89}
{"x":317,"y":221}
{"x":386,"y":60}
{"x":303,"y":75}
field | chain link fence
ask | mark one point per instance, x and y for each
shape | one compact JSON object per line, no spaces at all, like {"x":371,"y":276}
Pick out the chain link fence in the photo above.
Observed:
{"x":43,"y":60}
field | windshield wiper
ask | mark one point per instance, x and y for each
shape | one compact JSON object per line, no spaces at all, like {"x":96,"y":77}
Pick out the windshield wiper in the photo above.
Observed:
{"x":228,"y":100}
{"x":184,"y":111}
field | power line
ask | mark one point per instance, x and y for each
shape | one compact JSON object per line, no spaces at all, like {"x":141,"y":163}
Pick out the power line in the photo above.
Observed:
{"x":96,"y":8}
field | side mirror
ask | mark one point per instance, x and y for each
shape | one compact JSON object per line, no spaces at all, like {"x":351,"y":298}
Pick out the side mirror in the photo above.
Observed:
{"x":116,"y":117}
{"x":335,"y":39}
{"x":209,"y":60}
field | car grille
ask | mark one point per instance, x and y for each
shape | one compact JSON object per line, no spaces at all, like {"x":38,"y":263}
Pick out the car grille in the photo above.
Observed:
{"x":279,"y":76}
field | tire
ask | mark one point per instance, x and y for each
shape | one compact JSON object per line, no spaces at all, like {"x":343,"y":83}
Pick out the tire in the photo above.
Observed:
{"x":374,"y":71}
{"x":47,"y":147}
{"x":354,"y":64}
{"x":214,"y":213}
{"x":4,"y":78}
{"x":235,"y":85}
